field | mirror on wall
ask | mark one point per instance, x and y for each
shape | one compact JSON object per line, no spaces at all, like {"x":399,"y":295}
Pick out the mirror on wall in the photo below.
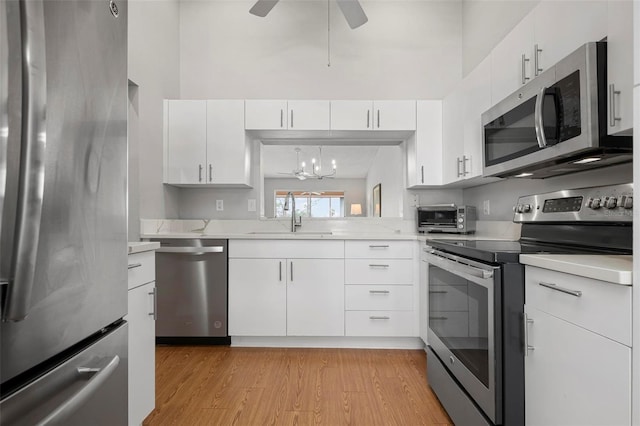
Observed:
{"x":332,"y":181}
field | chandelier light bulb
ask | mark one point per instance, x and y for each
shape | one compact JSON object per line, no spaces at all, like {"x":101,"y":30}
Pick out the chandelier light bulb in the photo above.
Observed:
{"x":313,"y":161}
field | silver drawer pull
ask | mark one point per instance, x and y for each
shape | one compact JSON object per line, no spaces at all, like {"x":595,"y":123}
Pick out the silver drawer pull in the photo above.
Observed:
{"x":134,"y":265}
{"x":379,"y":318}
{"x":438,"y":292}
{"x":375,"y":265}
{"x":439,"y":318}
{"x":576,"y":293}
{"x":379,"y":291}
{"x":379,"y":246}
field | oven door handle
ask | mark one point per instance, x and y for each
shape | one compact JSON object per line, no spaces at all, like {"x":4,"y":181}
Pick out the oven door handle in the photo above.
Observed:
{"x":458,"y":264}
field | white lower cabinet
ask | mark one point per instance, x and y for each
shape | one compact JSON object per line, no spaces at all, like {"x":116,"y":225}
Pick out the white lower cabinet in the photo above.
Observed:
{"x":142,"y":336}
{"x":577,"y":369}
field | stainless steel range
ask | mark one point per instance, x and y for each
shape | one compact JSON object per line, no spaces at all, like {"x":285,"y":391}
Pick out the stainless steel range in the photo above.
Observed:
{"x":476,"y":297}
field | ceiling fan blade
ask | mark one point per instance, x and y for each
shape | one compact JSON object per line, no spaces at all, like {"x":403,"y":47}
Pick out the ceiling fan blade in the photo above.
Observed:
{"x":352,"y":12}
{"x":262,"y":7}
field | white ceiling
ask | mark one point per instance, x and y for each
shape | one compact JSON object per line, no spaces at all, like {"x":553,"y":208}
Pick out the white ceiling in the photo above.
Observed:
{"x":352,"y":162}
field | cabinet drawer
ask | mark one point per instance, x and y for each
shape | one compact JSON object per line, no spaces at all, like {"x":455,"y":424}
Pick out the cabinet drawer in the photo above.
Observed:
{"x":378,"y":298}
{"x":142,"y":268}
{"x":448,"y":298}
{"x":269,"y":249}
{"x":378,"y":249}
{"x":380,"y":323}
{"x":602,"y":307}
{"x":378,"y":271}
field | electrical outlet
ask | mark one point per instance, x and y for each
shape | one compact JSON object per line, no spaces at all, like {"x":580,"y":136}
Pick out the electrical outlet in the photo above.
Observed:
{"x":219,"y":205}
{"x":486,"y":207}
{"x":415,"y":200}
{"x":251,"y":205}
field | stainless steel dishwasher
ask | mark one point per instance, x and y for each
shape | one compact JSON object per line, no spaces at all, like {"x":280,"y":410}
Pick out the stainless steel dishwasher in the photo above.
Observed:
{"x":191,"y":281}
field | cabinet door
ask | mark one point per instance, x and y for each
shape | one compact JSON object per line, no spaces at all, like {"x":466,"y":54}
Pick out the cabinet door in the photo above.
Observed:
{"x":265,"y":114}
{"x":509,"y":70}
{"x":257,"y":297}
{"x":394,"y":115}
{"x":476,"y":88}
{"x":308,"y":115}
{"x":351,"y":115}
{"x":315,"y":297}
{"x":452,"y":136}
{"x":620,"y":66}
{"x":142,"y":353}
{"x":185,"y":141}
{"x":574,"y":376}
{"x":563,"y":26}
{"x":227,"y":153}
{"x":424,"y":149}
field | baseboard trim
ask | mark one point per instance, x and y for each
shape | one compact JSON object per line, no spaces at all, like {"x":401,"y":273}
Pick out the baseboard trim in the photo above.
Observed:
{"x":329,"y":342}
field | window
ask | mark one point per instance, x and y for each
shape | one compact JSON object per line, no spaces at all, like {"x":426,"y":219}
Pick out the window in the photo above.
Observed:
{"x":311,"y":204}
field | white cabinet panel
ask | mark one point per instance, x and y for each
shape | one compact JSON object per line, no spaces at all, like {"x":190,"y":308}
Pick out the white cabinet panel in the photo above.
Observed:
{"x":636,"y":42}
{"x":308,"y":115}
{"x":378,"y":297}
{"x":257,"y":297}
{"x":476,"y":88}
{"x":394,"y":115}
{"x":574,"y":376}
{"x":185,"y":141}
{"x":380,"y":323}
{"x":311,"y":249}
{"x":315,"y":297}
{"x":379,"y":249}
{"x":352,"y":115}
{"x":379,"y":271}
{"x":142,"y":268}
{"x":424,"y":148}
{"x":452,"y":136}
{"x":265,"y":114}
{"x":620,"y":55}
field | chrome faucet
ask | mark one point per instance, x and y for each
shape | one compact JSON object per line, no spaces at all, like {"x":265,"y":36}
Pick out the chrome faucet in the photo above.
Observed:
{"x":294,"y":223}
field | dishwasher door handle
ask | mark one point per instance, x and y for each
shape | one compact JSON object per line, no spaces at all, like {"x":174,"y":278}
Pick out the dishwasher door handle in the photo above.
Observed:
{"x":191,"y":250}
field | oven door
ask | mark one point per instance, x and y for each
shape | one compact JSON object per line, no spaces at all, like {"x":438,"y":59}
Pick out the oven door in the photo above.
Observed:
{"x":462,"y":327}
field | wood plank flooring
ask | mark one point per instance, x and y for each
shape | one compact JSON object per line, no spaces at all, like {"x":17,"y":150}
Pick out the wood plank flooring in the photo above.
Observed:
{"x":210,"y":385}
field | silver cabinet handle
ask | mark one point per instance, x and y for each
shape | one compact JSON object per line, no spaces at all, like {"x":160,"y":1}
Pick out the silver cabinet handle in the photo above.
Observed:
{"x":154,"y":314}
{"x":438,"y":292}
{"x":464,"y":165}
{"x":291,"y":124}
{"x":524,"y":69}
{"x":379,"y":318}
{"x":527,"y":347}
{"x":536,"y":60}
{"x":576,"y":293}
{"x":422,"y":171}
{"x":281,"y":117}
{"x":210,"y":172}
{"x":373,"y":246}
{"x":32,"y":162}
{"x":191,"y":250}
{"x":539,"y":119}
{"x":458,"y":168}
{"x":199,"y":172}
{"x":134,"y":265}
{"x":379,"y":291}
{"x":612,"y":105}
{"x":368,"y":120}
{"x":80,"y":397}
{"x":378,"y":119}
{"x":377,"y":265}
{"x":439,"y":318}
{"x":291,"y":269}
{"x":280,"y":271}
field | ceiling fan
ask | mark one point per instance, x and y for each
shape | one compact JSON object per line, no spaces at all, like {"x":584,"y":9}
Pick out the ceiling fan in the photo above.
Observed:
{"x":351,"y":9}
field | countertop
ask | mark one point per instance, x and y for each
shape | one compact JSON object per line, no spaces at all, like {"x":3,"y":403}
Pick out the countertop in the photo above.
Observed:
{"x":611,"y":268}
{"x":140,"y":246}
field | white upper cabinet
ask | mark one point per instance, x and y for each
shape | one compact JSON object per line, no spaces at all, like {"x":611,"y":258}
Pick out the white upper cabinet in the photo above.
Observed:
{"x":424,"y":148}
{"x":373,"y":115}
{"x":452,"y":136}
{"x":308,"y":115}
{"x":185,"y":135}
{"x":620,"y":55}
{"x":636,"y":42}
{"x":563,"y":26}
{"x":511,"y":60}
{"x":205,"y":143}
{"x":265,"y":115}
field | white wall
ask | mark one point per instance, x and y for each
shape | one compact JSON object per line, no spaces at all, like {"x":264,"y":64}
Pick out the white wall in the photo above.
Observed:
{"x":354,"y":190}
{"x":153,"y":66}
{"x":485,"y":23}
{"x":408,"y":50}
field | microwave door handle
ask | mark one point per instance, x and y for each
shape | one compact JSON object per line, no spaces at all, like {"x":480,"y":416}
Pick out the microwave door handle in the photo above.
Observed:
{"x":539,"y":119}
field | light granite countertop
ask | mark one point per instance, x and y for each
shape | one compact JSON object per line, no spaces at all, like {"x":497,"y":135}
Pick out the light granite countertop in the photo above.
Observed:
{"x":610,"y":268}
{"x":140,"y":246}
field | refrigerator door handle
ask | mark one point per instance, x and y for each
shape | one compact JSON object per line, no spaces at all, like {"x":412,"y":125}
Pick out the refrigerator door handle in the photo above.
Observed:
{"x":4,"y":106}
{"x":71,"y":405}
{"x":32,"y":161}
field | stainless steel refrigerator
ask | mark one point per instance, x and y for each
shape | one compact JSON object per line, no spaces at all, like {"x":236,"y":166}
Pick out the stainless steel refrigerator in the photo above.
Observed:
{"x":63,"y":180}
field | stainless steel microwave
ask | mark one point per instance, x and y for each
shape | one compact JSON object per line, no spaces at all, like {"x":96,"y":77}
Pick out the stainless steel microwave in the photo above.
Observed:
{"x":555,"y":124}
{"x":448,"y":218}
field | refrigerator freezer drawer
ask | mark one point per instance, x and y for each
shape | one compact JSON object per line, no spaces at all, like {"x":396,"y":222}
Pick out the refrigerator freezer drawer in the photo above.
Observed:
{"x":88,"y":389}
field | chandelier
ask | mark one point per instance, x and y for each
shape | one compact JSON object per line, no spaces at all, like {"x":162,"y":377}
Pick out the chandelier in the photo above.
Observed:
{"x":317,"y":171}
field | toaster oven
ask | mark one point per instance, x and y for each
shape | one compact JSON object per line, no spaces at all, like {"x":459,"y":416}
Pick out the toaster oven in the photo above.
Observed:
{"x":449,"y":218}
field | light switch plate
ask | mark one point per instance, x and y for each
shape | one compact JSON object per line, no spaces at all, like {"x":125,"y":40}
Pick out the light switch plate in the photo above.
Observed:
{"x":219,"y":205}
{"x":251,"y":205}
{"x":486,"y":207}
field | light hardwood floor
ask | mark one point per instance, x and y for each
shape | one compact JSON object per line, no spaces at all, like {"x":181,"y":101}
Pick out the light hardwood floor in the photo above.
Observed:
{"x":209,"y":385}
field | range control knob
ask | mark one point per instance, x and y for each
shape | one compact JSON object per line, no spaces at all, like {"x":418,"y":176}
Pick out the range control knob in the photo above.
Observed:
{"x":589,"y":202}
{"x":595,"y":204}
{"x":628,"y":203}
{"x":519,"y":208}
{"x":526,"y":208}
{"x":610,"y":202}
